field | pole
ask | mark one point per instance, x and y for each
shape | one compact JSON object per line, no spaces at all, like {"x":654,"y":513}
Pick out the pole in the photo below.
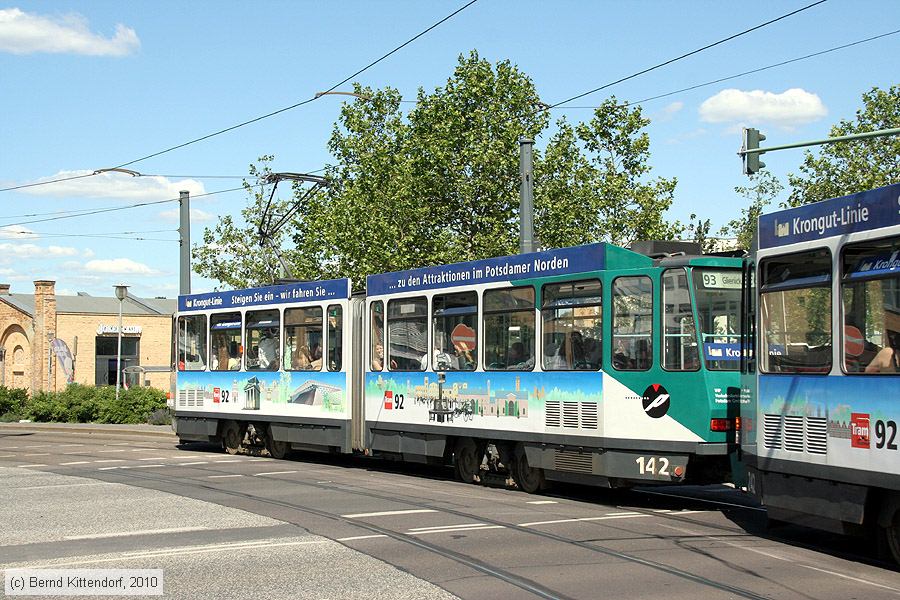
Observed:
{"x":119,"y":355}
{"x":843,"y":138}
{"x":184,"y":231}
{"x":526,"y":195}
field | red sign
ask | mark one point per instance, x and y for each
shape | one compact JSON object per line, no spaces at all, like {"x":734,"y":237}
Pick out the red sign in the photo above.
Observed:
{"x":463,"y":337}
{"x":388,"y":400}
{"x":217,"y":395}
{"x":859,"y":430}
{"x":853,"y":341}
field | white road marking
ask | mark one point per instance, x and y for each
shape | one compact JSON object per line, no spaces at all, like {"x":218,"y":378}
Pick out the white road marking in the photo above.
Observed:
{"x":108,"y":451}
{"x":36,"y":465}
{"x":192,"y":463}
{"x":856,"y":579}
{"x":156,"y":458}
{"x":143,"y":466}
{"x":360,"y":537}
{"x":110,"y":468}
{"x":119,"y":444}
{"x":38,"y":454}
{"x":56,"y":485}
{"x":6,"y":455}
{"x":387,"y":513}
{"x":68,"y":445}
{"x":98,"y":536}
{"x":259,"y":460}
{"x":457,"y":529}
{"x":39,"y":446}
{"x":274,"y":473}
{"x":604,"y":518}
{"x":110,"y":460}
{"x":9,"y":447}
{"x":228,"y":460}
{"x":542,"y":502}
{"x":77,"y":462}
{"x":222,"y":476}
{"x":326,"y":481}
{"x":439,"y":527}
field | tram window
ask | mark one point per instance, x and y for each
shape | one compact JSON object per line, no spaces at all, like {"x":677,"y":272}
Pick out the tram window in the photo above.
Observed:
{"x":571,"y":314}
{"x":870,"y":286}
{"x":632,"y":339}
{"x":795,"y":312}
{"x":303,"y":339}
{"x":407,"y":330}
{"x":454,"y":331}
{"x":718,"y":296}
{"x":679,"y":332}
{"x":263,"y":345}
{"x":376,"y":336}
{"x":509,"y":329}
{"x":225,"y":334}
{"x":335,"y":337}
{"x":192,"y":343}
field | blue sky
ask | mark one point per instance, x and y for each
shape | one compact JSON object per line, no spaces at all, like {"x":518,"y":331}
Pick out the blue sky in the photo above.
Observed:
{"x":87,"y":85}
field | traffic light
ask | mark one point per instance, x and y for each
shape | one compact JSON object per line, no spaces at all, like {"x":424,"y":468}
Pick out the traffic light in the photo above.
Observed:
{"x":752,"y":138}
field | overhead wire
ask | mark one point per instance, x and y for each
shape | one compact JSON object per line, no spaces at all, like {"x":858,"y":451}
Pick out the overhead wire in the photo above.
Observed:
{"x":687,"y":54}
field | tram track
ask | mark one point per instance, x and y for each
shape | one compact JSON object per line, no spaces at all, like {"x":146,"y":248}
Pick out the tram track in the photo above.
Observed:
{"x":467,"y":560}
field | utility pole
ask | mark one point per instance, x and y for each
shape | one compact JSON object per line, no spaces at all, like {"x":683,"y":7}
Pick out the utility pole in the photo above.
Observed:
{"x":184,"y":232}
{"x":526,"y":195}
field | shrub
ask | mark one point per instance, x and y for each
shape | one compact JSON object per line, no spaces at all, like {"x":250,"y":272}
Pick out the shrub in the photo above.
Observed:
{"x":12,"y":400}
{"x":134,"y":405}
{"x":85,"y":404}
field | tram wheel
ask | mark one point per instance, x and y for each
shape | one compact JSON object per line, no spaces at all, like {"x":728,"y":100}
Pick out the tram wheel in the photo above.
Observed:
{"x":891,"y":535}
{"x":232,"y":437}
{"x":529,"y":479}
{"x":276,"y":448}
{"x":466,"y":460}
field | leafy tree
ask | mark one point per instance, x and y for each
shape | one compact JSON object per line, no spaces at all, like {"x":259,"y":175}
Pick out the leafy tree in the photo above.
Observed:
{"x":848,"y":167}
{"x":763,"y":189}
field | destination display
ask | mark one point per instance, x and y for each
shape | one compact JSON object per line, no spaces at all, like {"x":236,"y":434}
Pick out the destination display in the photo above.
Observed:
{"x":307,"y":291}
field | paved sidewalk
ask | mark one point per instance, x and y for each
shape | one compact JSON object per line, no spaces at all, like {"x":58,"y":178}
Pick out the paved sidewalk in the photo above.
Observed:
{"x":87,"y":428}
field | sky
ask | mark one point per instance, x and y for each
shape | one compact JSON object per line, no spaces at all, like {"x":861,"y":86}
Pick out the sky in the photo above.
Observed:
{"x":87,"y":85}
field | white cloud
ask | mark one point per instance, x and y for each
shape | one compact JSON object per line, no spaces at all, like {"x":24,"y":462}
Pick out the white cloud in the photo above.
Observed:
{"x":667,"y":112}
{"x":787,"y":109}
{"x":35,"y":251}
{"x":197,"y":215}
{"x":114,"y":185}
{"x":688,"y":135}
{"x":27,"y":33}
{"x":88,"y":253}
{"x":16,"y":232}
{"x":119,"y":266}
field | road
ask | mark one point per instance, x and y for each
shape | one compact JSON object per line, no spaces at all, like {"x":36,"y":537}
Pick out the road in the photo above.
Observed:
{"x":319,"y":526}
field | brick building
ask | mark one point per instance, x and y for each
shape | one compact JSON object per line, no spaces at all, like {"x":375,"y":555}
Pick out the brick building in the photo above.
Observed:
{"x":89,"y":327}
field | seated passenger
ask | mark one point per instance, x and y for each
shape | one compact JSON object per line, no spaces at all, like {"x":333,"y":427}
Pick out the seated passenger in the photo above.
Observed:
{"x":888,"y":359}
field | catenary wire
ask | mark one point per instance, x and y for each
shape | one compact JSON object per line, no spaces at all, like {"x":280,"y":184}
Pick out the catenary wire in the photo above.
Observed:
{"x":687,"y":54}
{"x":750,"y":72}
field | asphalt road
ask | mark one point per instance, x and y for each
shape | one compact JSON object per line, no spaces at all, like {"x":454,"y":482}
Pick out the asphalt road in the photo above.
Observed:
{"x":331,"y":527}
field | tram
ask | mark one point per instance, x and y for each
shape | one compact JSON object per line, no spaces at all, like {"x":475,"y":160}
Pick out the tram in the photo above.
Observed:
{"x":594,"y":364}
{"x":822,"y":315}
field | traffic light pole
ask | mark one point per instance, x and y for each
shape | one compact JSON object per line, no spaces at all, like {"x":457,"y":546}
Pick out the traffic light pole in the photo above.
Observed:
{"x":751,"y":151}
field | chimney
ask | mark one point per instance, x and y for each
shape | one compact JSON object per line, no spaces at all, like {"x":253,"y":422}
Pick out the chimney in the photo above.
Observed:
{"x":44,"y":330}
{"x":4,"y":289}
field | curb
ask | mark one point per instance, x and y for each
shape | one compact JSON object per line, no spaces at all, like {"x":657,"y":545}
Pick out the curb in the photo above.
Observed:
{"x":83,"y":430}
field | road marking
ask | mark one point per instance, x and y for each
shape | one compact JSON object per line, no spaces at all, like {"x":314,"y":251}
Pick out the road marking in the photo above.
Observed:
{"x":68,"y":445}
{"x":54,"y":485}
{"x":36,"y":465}
{"x":856,"y":579}
{"x":360,"y":537}
{"x":110,"y":468}
{"x":10,"y":447}
{"x":38,"y":454}
{"x":110,"y":460}
{"x":107,"y":451}
{"x":259,"y":460}
{"x":227,"y":460}
{"x":604,"y":518}
{"x":156,"y":458}
{"x":192,"y":463}
{"x":439,"y":527}
{"x":39,"y":446}
{"x":99,"y":536}
{"x":542,"y":502}
{"x":387,"y":513}
{"x":143,"y":466}
{"x":274,"y":473}
{"x":222,"y":476}
{"x":6,"y":455}
{"x":119,"y":444}
{"x":326,"y":481}
{"x":458,"y":529}
{"x":77,"y":462}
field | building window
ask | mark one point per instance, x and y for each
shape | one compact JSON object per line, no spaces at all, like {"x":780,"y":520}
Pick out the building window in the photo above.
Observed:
{"x":509,"y":329}
{"x":303,"y":339}
{"x":263,"y":346}
{"x":105,"y":357}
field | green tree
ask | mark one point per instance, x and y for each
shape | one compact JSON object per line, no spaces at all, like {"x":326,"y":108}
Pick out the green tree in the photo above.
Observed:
{"x":848,"y":167}
{"x":763,"y":189}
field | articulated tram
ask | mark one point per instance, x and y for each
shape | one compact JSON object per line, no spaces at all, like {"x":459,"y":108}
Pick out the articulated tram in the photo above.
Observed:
{"x":822,"y":315}
{"x":594,"y":364}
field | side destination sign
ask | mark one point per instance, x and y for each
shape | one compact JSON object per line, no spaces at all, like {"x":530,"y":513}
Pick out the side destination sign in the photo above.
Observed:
{"x":307,"y":291}
{"x":864,"y":211}
{"x":591,"y":257}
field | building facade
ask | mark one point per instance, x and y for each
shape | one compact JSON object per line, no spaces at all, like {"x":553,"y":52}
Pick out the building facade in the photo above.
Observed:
{"x":48,"y":340}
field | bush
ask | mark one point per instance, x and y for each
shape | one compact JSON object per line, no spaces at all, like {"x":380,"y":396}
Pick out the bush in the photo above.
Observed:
{"x":12,"y":400}
{"x":85,"y":404}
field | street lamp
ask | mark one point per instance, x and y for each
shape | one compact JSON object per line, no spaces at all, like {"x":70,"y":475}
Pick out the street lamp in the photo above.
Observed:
{"x":121,"y":294}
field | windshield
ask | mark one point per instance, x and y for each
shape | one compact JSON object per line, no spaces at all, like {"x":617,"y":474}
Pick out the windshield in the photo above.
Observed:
{"x":718,"y":296}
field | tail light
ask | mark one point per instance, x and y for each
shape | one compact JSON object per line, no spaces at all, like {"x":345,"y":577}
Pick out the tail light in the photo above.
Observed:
{"x":722,"y":424}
